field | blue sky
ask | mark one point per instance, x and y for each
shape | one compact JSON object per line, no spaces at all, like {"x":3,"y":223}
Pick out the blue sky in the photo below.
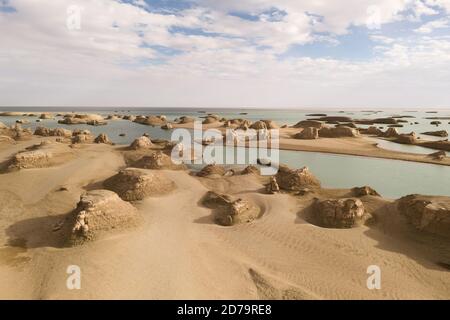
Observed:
{"x":225,"y":53}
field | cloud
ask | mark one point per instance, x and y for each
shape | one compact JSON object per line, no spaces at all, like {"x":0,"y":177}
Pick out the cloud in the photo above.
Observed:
{"x":220,"y":54}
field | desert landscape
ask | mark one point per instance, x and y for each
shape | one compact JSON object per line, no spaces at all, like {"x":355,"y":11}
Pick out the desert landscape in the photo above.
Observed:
{"x":140,"y":226}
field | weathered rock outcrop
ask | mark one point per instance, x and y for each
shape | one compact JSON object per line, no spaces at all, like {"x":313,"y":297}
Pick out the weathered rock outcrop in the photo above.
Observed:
{"x":158,"y":161}
{"x":427,"y":213}
{"x":296,"y":179}
{"x":45,"y":154}
{"x":57,"y":132}
{"x":251,"y":170}
{"x":364,"y":191}
{"x":141,"y":143}
{"x":259,"y":125}
{"x":390,"y":133}
{"x":339,"y":213}
{"x":133,"y":184}
{"x":406,"y":138}
{"x":89,"y":119}
{"x":186,"y":119}
{"x":438,"y":145}
{"x":99,"y":213}
{"x":150,"y":120}
{"x":273,"y":186}
{"x":211,"y":169}
{"x":440,"y":133}
{"x":372,"y":131}
{"x":440,"y":155}
{"x":338,"y":132}
{"x":102,"y":138}
{"x":309,"y":133}
{"x":229,"y":211}
{"x":309,"y":124}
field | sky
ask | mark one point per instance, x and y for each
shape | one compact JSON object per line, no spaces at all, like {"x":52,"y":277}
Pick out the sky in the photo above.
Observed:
{"x":225,"y":53}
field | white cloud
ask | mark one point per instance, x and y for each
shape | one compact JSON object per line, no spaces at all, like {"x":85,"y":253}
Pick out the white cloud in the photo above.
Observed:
{"x":105,"y":63}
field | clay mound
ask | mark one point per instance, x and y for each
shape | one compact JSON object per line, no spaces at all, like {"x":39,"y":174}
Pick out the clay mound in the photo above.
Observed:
{"x":309,"y":124}
{"x":167,"y":126}
{"x":372,"y":131}
{"x":427,"y":213}
{"x":211,"y":119}
{"x":440,"y":155}
{"x":82,"y":138}
{"x":186,"y":119}
{"x":365,"y":191}
{"x":134,"y":184}
{"x":339,"y":213}
{"x":141,"y":143}
{"x":406,"y":138}
{"x":16,"y":132}
{"x":441,"y":133}
{"x":44,"y":155}
{"x":99,"y":213}
{"x":308,"y":134}
{"x":390,"y":133}
{"x":438,"y":145}
{"x":251,"y":170}
{"x":158,"y":161}
{"x":338,"y":132}
{"x":229,"y":211}
{"x":151,"y":120}
{"x":272,"y":187}
{"x":45,"y":116}
{"x":259,"y":125}
{"x":89,"y":119}
{"x":211,"y":169}
{"x":296,"y":180}
{"x":102,"y":138}
{"x":58,"y":132}
{"x":270,"y":124}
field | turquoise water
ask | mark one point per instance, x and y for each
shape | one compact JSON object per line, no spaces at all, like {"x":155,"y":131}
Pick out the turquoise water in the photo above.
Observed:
{"x":391,"y":178}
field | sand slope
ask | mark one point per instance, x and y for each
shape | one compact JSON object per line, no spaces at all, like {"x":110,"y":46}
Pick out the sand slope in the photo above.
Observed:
{"x":180,"y":253}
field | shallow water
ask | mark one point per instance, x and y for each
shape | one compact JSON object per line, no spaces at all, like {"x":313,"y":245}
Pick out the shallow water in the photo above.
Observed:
{"x":391,"y":178}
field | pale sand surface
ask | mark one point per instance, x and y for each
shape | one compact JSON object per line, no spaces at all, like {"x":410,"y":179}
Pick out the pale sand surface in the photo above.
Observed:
{"x":180,"y":253}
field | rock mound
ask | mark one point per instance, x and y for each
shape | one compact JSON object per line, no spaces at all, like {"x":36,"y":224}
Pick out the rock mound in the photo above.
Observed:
{"x":339,"y":213}
{"x":141,"y":143}
{"x":229,"y":211}
{"x":309,"y":124}
{"x":134,"y":184}
{"x":251,"y":170}
{"x":102,"y":138}
{"x":364,"y":191}
{"x":338,"y":132}
{"x":44,"y":155}
{"x":431,"y":214}
{"x":98,"y":213}
{"x":57,"y":132}
{"x":309,"y":133}
{"x":296,"y":179}
{"x":440,"y":155}
{"x":440,"y":133}
{"x":158,"y":161}
{"x":211,"y":169}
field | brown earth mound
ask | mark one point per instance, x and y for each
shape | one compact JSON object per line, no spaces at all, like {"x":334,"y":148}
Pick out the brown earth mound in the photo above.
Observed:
{"x":134,"y":184}
{"x":229,"y":211}
{"x":158,"y":161}
{"x":211,"y":169}
{"x":427,"y":213}
{"x":339,"y":213}
{"x":296,"y":179}
{"x":141,"y":143}
{"x":99,"y":213}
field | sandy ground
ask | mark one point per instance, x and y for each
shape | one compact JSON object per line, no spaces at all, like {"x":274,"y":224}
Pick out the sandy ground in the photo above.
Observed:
{"x":180,"y":253}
